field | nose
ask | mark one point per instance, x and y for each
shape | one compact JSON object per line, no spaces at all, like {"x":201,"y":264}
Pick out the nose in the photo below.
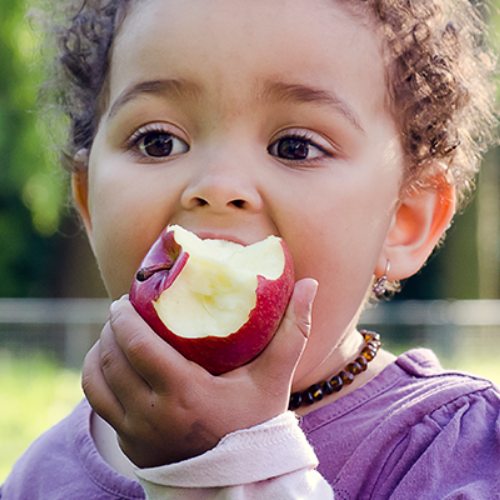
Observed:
{"x":222,"y":185}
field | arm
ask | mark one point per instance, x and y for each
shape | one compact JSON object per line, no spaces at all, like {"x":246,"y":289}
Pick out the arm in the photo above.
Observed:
{"x":270,"y":461}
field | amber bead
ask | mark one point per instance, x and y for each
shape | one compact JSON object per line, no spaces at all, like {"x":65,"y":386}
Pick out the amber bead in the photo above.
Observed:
{"x":368,"y":353}
{"x":346,"y":377}
{"x":371,"y":336}
{"x":295,"y":401}
{"x":308,"y":398}
{"x":362,"y":362}
{"x":337,"y":383}
{"x":354,"y":368}
{"x":327,"y":388}
{"x":316,"y":392}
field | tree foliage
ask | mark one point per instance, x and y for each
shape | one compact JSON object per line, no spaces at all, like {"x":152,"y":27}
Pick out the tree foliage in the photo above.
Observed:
{"x":31,"y":187}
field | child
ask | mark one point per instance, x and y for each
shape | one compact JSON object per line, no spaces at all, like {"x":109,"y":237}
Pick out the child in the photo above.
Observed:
{"x":344,"y":128}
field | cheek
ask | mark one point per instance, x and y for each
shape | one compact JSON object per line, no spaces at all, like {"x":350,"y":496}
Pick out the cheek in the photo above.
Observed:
{"x":118,"y":249}
{"x":338,"y":241}
{"x":126,"y":220}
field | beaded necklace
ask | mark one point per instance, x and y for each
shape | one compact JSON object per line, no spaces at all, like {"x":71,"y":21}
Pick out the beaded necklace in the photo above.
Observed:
{"x":345,"y":377}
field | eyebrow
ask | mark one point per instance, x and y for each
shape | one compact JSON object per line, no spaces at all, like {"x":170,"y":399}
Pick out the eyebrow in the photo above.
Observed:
{"x":272,"y":91}
{"x":179,"y":88}
{"x":299,"y":93}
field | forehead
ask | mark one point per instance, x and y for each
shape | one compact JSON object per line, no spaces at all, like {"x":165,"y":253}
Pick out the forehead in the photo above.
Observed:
{"x":232,"y":48}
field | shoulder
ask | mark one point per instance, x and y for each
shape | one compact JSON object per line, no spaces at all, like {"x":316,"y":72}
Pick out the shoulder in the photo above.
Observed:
{"x":64,"y":463}
{"x":450,"y":446}
{"x":414,"y":428}
{"x":409,"y":389}
{"x":425,"y":384}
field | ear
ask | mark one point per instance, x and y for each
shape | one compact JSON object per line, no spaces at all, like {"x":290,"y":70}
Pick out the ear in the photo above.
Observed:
{"x":422,"y":217}
{"x":80,"y":191}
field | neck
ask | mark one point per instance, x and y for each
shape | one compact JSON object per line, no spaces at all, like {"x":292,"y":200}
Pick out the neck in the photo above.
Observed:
{"x":382,"y":360}
{"x":345,"y":351}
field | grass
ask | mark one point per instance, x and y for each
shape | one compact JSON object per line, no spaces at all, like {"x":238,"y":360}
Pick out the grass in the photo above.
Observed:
{"x":35,"y":394}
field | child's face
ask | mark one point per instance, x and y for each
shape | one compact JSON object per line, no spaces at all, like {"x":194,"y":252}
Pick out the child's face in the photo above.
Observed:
{"x":241,"y":119}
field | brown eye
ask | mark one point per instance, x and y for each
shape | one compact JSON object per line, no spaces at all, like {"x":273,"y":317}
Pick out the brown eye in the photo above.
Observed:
{"x":297,"y":148}
{"x":292,"y":149}
{"x":161,"y":144}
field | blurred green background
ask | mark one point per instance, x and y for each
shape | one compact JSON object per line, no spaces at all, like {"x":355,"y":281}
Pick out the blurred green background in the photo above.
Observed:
{"x":44,"y":252}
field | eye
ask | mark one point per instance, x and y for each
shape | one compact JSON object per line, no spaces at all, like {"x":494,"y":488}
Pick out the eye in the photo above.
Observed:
{"x":153,"y":141}
{"x":298,"y":147}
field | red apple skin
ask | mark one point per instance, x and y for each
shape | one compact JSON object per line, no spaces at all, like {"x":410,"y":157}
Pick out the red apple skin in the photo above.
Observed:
{"x":216,"y":354}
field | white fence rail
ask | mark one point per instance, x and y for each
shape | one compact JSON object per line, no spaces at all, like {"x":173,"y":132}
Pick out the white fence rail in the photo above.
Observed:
{"x":68,"y":327}
{"x":436,"y":312}
{"x":65,"y":327}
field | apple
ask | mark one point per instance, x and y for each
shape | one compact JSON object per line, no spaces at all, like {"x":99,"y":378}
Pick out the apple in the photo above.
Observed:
{"x":217,"y":302}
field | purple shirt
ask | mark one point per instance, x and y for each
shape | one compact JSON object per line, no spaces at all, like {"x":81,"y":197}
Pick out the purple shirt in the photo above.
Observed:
{"x":414,"y":432}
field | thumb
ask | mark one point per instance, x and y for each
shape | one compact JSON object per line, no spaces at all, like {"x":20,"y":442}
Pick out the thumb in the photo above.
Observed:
{"x":278,"y":361}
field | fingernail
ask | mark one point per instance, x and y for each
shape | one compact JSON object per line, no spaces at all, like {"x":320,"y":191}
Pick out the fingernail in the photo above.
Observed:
{"x":114,"y":304}
{"x":313,"y":289}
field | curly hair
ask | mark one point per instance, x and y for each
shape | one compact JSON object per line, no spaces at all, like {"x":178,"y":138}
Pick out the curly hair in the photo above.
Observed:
{"x":439,"y":78}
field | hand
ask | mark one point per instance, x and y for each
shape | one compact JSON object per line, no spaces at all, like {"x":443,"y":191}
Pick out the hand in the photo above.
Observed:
{"x":165,"y":408}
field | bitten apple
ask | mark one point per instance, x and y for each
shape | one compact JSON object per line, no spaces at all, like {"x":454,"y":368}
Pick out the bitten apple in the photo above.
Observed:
{"x":217,"y":302}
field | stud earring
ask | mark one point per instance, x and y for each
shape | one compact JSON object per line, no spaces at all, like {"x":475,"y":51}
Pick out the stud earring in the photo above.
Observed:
{"x":81,"y":159}
{"x":379,"y":285}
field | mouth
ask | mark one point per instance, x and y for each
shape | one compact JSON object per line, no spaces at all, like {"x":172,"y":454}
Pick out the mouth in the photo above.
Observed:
{"x":242,"y":234}
{"x":144,"y":273}
{"x":219,"y":236}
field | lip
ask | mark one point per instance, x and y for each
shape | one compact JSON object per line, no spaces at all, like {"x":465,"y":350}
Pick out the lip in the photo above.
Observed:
{"x":247,"y":238}
{"x":206,"y":235}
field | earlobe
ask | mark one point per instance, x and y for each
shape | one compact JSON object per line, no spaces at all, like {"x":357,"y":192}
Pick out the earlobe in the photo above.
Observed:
{"x":79,"y":189}
{"x":420,"y":220}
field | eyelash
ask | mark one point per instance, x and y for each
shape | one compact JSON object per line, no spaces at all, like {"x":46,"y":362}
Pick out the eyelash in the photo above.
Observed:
{"x":307,"y":139}
{"x":133,"y":144}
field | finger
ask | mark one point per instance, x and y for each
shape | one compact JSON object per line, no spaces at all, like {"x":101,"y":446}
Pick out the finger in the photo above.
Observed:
{"x":97,"y":391}
{"x":154,"y":359}
{"x":278,"y":361}
{"x":126,"y":384}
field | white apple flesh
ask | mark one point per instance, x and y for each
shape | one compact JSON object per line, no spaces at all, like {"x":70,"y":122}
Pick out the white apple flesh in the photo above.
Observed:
{"x":217,"y":302}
